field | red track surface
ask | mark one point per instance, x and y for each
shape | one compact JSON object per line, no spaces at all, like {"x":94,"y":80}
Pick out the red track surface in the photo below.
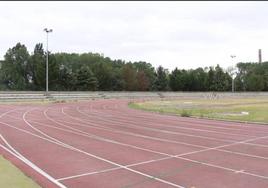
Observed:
{"x":103,"y":143}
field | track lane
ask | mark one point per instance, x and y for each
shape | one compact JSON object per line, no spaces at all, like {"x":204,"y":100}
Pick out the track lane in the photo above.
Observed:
{"x":211,"y":149}
{"x":161,"y":176}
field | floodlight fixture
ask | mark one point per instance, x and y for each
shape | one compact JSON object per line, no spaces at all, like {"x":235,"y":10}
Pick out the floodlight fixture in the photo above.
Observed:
{"x":47,"y":31}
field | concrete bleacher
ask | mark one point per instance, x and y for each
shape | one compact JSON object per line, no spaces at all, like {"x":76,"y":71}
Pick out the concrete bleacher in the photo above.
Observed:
{"x":78,"y":95}
{"x":129,"y":94}
{"x":11,"y":96}
{"x":75,"y":95}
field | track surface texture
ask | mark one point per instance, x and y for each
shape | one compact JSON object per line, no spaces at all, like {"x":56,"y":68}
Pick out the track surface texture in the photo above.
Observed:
{"x":103,"y":143}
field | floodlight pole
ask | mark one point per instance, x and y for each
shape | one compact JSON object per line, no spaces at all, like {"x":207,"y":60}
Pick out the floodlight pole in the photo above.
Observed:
{"x":233,"y":56}
{"x":47,"y":31}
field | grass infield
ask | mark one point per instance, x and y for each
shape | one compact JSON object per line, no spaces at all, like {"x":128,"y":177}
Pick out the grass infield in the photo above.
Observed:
{"x":12,"y":177}
{"x":242,"y":109}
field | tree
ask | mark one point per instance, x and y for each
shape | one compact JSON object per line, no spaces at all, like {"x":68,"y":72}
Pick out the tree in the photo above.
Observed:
{"x":129,"y":77}
{"x":254,"y":82}
{"x":252,"y":76}
{"x":143,"y":82}
{"x":85,"y":80}
{"x":66,"y":79}
{"x":53,"y":73}
{"x":37,"y":68}
{"x":161,"y":81}
{"x":175,"y":80}
{"x":218,"y":80}
{"x":223,"y":81}
{"x":105,"y":75}
{"x":92,"y":71}
{"x":200,"y":80}
{"x":148,"y":70}
{"x":15,"y":74}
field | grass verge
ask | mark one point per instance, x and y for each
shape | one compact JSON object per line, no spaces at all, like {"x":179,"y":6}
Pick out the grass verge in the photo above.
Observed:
{"x":242,"y":109}
{"x":12,"y":177}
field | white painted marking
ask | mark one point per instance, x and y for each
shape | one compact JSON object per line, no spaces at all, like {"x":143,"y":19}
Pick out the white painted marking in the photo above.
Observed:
{"x":153,"y":129}
{"x":164,"y":140}
{"x":93,"y":136}
{"x":169,"y":126}
{"x":179,"y":156}
{"x":239,"y":171}
{"x":94,"y":156}
{"x":89,"y":173}
{"x":176,"y":118}
{"x":100,"y":158}
{"x":210,"y":164}
{"x":223,"y":150}
{"x":29,"y":163}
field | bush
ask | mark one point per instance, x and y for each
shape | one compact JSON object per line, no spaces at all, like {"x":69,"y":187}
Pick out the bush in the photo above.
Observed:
{"x":185,"y":113}
{"x":161,"y":110}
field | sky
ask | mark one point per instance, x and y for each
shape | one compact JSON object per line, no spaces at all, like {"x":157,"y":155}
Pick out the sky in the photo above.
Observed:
{"x":172,"y":34}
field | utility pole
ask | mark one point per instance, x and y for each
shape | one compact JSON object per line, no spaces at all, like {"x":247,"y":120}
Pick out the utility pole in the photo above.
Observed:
{"x":233,"y":56}
{"x":47,"y":31}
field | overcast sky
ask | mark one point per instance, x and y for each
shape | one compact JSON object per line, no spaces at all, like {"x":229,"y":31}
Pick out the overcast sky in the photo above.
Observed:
{"x":171,"y":34}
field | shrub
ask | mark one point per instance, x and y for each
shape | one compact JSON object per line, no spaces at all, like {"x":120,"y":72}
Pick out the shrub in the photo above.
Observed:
{"x":185,"y":113}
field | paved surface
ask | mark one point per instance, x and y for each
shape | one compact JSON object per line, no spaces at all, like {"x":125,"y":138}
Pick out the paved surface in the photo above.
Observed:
{"x":103,"y":143}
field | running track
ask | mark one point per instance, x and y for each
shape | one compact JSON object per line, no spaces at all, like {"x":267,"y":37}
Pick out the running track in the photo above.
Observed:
{"x":103,"y":143}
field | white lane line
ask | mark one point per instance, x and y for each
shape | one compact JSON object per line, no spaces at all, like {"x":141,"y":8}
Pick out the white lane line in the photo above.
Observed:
{"x":103,"y":159}
{"x":29,"y":163}
{"x":93,"y":136}
{"x":157,"y":160}
{"x":89,"y":173}
{"x":225,"y":168}
{"x":97,"y":157}
{"x":94,"y":126}
{"x":163,"y":140}
{"x":80,"y":150}
{"x":226,"y":145}
{"x":176,"y":156}
{"x":208,"y":164}
{"x":37,"y":130}
{"x":119,"y":124}
{"x":240,"y":125}
{"x":25,"y":160}
{"x":129,"y":133}
{"x":180,"y":126}
{"x":7,"y":112}
{"x":205,"y":121}
{"x":239,"y":171}
{"x":96,"y":115}
{"x":111,"y":169}
{"x":124,"y":120}
{"x":11,"y":152}
{"x":227,"y":151}
{"x":150,"y":129}
{"x":259,"y":145}
{"x":99,"y":112}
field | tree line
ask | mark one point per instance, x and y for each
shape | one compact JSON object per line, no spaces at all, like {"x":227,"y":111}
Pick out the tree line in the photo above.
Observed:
{"x":21,"y":70}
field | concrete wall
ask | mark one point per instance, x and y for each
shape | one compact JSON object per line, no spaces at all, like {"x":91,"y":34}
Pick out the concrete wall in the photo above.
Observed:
{"x":23,"y":95}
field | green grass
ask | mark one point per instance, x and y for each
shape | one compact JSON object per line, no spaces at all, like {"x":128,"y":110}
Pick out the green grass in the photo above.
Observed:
{"x":227,"y":109}
{"x":12,"y":177}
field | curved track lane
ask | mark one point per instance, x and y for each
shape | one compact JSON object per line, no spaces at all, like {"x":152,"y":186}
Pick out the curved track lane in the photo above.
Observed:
{"x":103,"y":143}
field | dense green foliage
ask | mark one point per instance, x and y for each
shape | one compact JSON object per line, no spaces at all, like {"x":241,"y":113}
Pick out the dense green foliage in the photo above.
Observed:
{"x":252,"y":77}
{"x":91,"y":72}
